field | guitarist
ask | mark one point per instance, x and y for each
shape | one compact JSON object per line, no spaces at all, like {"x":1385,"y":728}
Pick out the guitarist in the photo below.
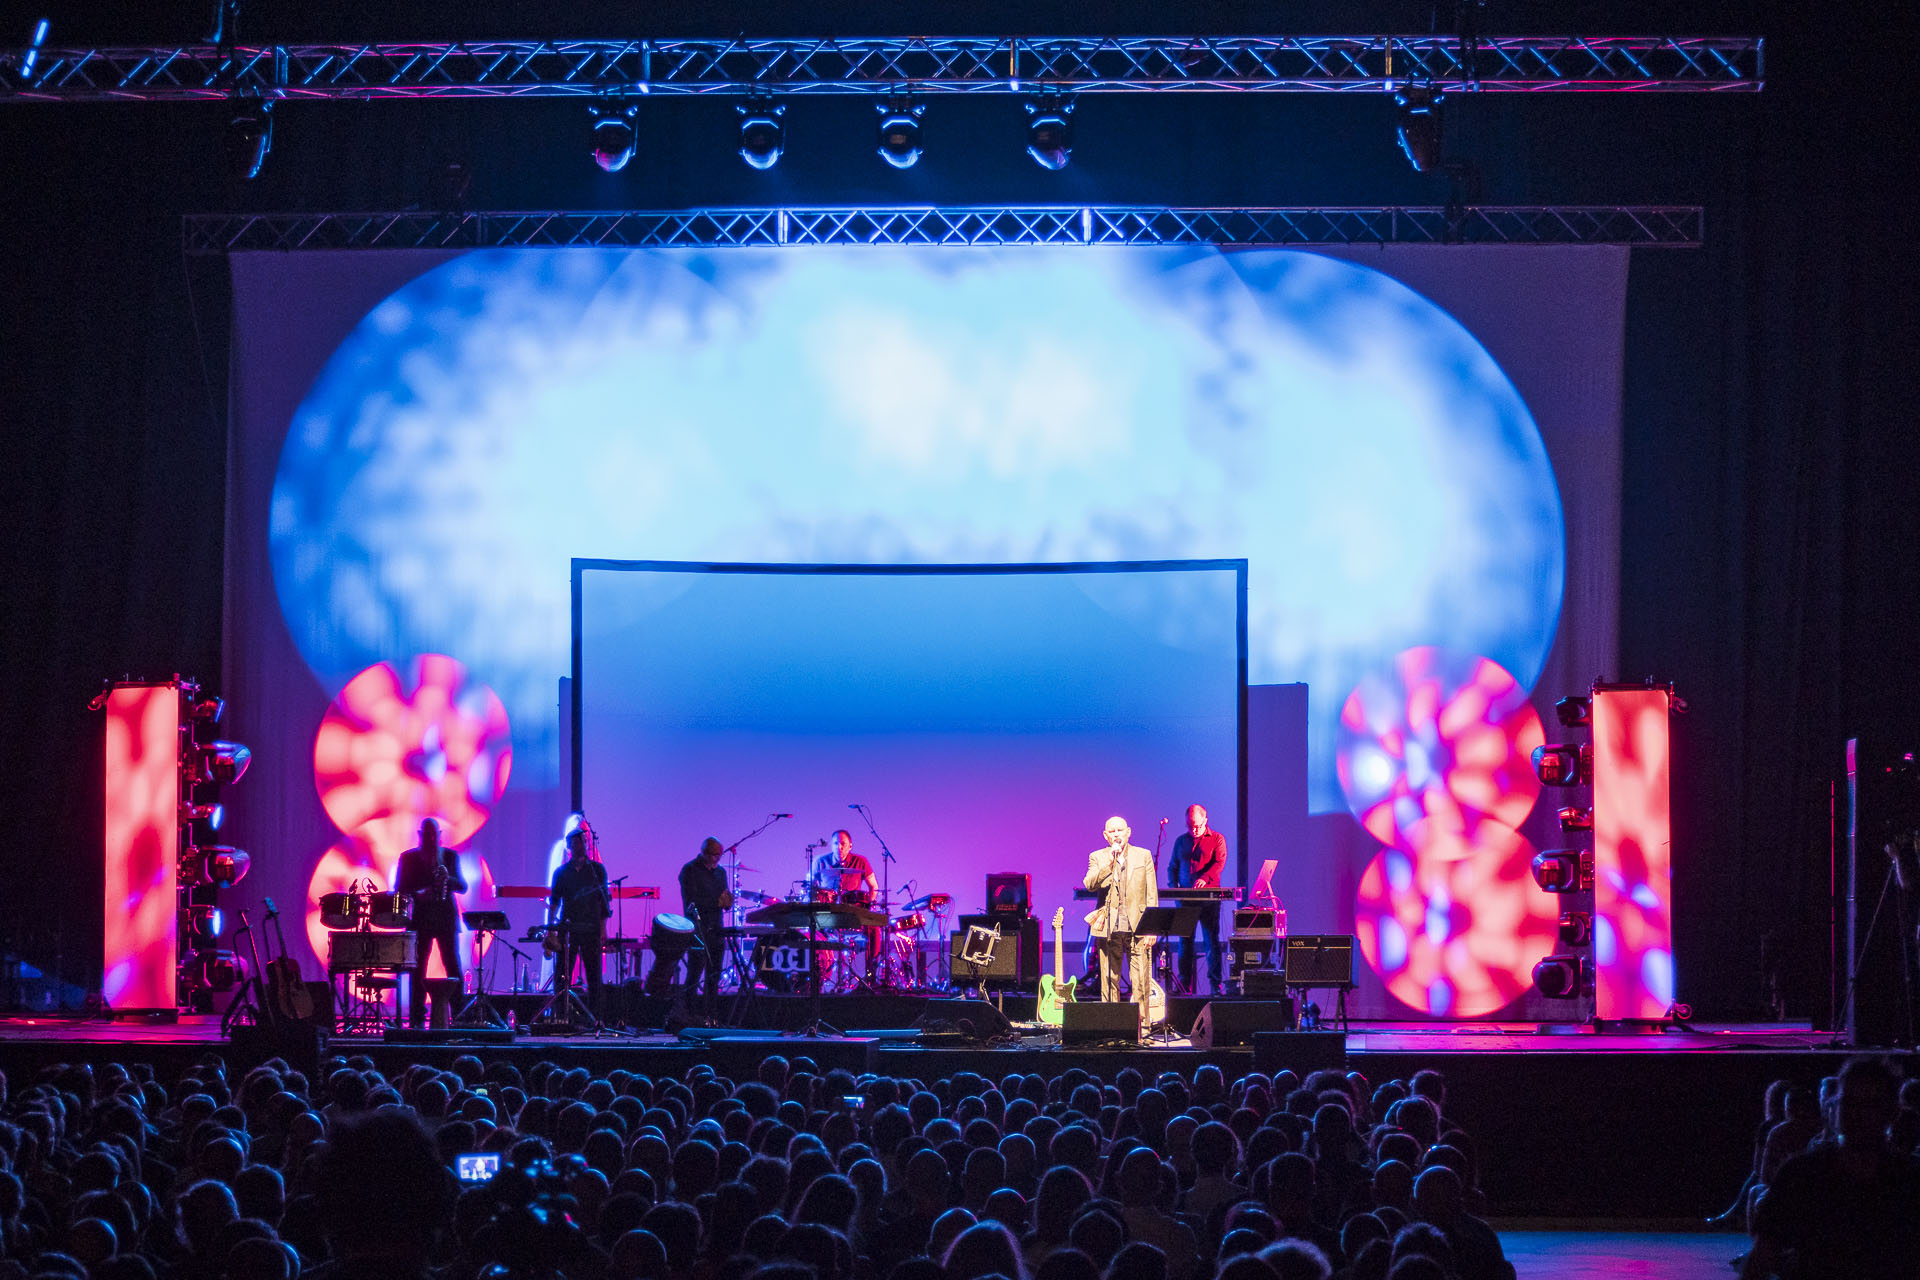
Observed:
{"x":430,"y":876}
{"x":1199,"y":858}
{"x":1125,"y":871}
{"x":579,"y":903}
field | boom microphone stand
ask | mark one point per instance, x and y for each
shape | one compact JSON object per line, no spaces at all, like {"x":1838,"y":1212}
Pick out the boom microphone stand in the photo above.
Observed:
{"x":886,"y":883}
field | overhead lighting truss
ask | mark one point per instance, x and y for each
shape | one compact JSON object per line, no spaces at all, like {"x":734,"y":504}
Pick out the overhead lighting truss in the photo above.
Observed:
{"x":1075,"y":64}
{"x":1666,"y":226}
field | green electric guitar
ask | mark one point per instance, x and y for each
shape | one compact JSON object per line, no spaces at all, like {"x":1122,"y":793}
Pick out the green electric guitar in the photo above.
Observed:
{"x":1056,"y":989}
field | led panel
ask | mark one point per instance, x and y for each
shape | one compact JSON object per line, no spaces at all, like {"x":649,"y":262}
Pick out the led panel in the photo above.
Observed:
{"x":1632,"y":853}
{"x":142,"y":846}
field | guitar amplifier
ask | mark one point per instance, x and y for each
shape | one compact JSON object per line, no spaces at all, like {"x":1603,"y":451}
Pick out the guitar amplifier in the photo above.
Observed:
{"x":1319,"y":960}
{"x":1016,"y":958}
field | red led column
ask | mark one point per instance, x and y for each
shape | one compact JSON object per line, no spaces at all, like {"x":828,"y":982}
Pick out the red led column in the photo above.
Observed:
{"x":1632,"y":853}
{"x":142,"y":846}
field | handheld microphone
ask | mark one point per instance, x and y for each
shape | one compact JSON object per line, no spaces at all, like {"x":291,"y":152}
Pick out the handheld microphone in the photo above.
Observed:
{"x":783,"y":815}
{"x":856,"y":806}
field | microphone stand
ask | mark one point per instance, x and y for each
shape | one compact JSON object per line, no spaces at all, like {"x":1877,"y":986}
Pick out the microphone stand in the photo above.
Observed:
{"x":619,"y":924}
{"x":886,"y":880}
{"x":732,"y":851}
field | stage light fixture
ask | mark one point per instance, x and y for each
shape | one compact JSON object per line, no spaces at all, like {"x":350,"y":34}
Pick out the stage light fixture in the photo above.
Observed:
{"x":1575,"y":818}
{"x":1563,"y":870}
{"x":1563,"y":765}
{"x":1562,"y":977}
{"x":211,"y":814}
{"x":220,"y":865}
{"x":215,"y":970}
{"x":613,"y":139}
{"x":1050,"y":133}
{"x":249,"y":138}
{"x":900,"y":133}
{"x":1576,"y":928}
{"x":222,"y":762}
{"x":1574,"y":713}
{"x":201,"y":925}
{"x":1418,"y":125}
{"x":762,"y":136}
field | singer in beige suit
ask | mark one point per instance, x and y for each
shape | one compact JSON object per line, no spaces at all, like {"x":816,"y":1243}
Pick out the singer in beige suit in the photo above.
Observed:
{"x":1125,"y":871}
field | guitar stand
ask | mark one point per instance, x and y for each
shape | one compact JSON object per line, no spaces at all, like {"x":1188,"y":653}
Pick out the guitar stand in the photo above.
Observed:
{"x":246,"y":1009}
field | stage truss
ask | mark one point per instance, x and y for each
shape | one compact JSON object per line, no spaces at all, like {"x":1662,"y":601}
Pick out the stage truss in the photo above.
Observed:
{"x":1661,"y":226}
{"x":1068,"y":64}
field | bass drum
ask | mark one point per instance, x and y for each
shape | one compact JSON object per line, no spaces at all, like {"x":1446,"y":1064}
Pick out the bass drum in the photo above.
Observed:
{"x":779,"y":961}
{"x":339,"y":910}
{"x":389,"y":910}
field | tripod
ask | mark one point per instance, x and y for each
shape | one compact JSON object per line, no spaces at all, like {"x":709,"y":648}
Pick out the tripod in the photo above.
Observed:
{"x":565,"y":1007}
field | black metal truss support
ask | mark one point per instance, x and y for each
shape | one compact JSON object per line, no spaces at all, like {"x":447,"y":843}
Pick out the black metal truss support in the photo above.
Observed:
{"x":1077,"y":64}
{"x":1665,"y":226}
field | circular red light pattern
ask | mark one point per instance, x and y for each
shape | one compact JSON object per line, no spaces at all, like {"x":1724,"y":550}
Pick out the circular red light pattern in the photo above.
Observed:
{"x":394,"y":748}
{"x":1455,"y":936}
{"x":1439,"y":737}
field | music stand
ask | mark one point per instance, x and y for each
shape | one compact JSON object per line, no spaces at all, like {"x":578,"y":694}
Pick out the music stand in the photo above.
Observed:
{"x":479,"y":1011}
{"x":1161,"y":923}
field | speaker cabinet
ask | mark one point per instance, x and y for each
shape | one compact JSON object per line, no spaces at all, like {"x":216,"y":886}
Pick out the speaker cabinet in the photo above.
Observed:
{"x":1264,"y":984}
{"x":1299,"y":1051}
{"x":1225,"y":1022}
{"x":1319,"y":960}
{"x":1093,"y":1021}
{"x":1016,"y":958}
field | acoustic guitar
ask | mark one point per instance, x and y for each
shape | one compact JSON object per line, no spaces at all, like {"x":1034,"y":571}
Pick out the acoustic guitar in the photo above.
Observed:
{"x":1056,"y":989}
{"x":290,"y":997}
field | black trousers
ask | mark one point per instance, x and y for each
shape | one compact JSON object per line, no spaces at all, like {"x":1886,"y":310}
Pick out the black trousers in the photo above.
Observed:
{"x":430,"y":933}
{"x":703,"y":970}
{"x":580,"y":944}
{"x":1209,"y":929}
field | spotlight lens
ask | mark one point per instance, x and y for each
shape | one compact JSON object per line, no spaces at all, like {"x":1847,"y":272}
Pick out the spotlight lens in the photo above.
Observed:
{"x":900,"y":141}
{"x":1050,"y":142}
{"x":612,"y":143}
{"x":761,"y":142}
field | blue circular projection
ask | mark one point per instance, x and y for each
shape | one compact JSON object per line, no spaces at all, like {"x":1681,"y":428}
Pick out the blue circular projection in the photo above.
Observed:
{"x":514,"y":409}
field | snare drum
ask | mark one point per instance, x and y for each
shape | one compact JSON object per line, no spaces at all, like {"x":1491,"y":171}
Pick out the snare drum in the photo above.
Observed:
{"x":911,"y":923}
{"x":390,"y":910}
{"x":339,"y":910}
{"x":856,"y":898}
{"x":821,"y":893}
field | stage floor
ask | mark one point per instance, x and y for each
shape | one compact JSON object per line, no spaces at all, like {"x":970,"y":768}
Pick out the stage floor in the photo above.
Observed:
{"x":1570,"y":1125}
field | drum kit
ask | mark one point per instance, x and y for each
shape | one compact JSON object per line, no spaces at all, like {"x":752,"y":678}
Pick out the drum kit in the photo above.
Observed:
{"x":854,"y":944}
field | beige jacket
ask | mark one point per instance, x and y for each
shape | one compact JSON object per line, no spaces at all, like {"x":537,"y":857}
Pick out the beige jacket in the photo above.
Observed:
{"x":1137,"y":891}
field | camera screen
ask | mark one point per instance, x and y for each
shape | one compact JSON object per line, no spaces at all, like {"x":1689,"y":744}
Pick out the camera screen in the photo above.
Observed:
{"x":479,"y":1166}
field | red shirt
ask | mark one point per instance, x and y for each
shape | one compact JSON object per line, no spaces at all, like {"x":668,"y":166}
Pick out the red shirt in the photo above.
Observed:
{"x":1197,"y":864}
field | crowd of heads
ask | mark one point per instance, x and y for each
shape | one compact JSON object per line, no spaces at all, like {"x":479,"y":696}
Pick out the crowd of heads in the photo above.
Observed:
{"x":796,"y":1173}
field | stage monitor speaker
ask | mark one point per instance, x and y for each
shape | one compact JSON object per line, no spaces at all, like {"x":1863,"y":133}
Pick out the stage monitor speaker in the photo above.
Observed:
{"x":1299,"y":1051}
{"x":1319,"y":960}
{"x":1094,"y":1021}
{"x":1225,"y":1022}
{"x":971,"y":1019}
{"x":1016,"y":958}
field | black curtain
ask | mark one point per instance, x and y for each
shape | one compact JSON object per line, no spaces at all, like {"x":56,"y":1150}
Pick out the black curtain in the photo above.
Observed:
{"x":1770,"y":525}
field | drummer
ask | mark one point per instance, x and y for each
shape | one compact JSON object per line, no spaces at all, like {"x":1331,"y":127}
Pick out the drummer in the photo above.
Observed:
{"x":849,"y":878}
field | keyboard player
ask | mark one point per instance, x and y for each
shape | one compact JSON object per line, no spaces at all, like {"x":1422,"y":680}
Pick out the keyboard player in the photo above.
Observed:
{"x":1199,"y":859}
